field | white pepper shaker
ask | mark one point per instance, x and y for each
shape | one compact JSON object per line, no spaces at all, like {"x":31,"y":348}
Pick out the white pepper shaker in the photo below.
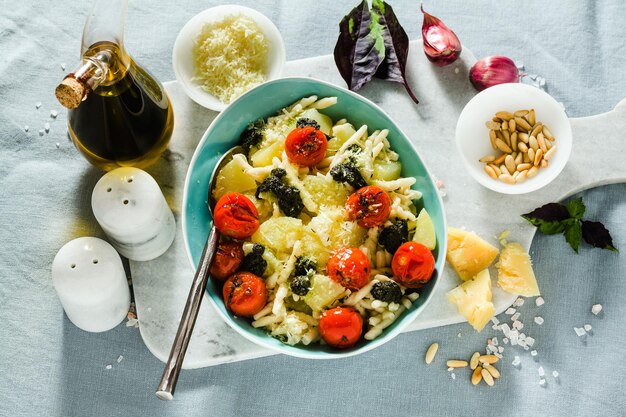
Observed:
{"x":134,"y":214}
{"x":90,"y":281}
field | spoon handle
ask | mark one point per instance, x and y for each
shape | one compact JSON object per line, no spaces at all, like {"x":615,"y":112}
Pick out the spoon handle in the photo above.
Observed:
{"x":165,"y":390}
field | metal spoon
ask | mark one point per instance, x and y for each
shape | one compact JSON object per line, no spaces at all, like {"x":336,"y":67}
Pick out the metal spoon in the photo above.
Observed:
{"x":165,"y":390}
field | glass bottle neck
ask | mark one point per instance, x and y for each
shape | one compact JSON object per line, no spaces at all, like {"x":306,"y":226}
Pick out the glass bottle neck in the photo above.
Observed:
{"x":105,"y":23}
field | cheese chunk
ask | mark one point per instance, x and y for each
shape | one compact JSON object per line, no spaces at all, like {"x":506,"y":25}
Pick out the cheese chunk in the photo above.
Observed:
{"x":473,"y":300}
{"x":515,"y":271}
{"x":468,"y":254}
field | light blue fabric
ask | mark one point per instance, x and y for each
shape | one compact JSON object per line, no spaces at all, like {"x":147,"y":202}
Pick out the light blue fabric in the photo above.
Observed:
{"x":48,"y":367}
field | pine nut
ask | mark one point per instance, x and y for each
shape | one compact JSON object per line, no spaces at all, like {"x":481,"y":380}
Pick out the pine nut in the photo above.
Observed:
{"x":536,"y":130}
{"x":488,"y":359}
{"x":487,"y":377}
{"x":522,"y":147}
{"x":474,"y":360}
{"x":523,"y":175}
{"x":477,"y":375}
{"x":521,"y":113}
{"x":532,"y":172}
{"x":523,"y":137}
{"x":550,"y":153}
{"x":504,"y":115}
{"x":523,"y":167}
{"x":499,"y":159}
{"x":492,"y":138}
{"x":531,"y":155}
{"x":518,"y":158}
{"x":509,"y":161}
{"x":526,"y":159}
{"x":544,"y":164}
{"x":514,"y":140}
{"x":503,"y":146}
{"x":504,"y":170}
{"x":532,"y":142}
{"x":431,"y":352}
{"x":507,"y":179}
{"x":487,"y":158}
{"x":531,"y":116}
{"x":547,"y":133}
{"x":507,"y":137}
{"x":512,"y":125}
{"x":493,"y":125}
{"x":456,"y":363}
{"x":490,"y":171}
{"x":492,"y":370}
{"x":522,"y":124}
{"x":538,"y":157}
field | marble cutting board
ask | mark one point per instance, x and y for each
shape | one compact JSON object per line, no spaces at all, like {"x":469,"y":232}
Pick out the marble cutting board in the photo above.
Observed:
{"x":161,"y":286}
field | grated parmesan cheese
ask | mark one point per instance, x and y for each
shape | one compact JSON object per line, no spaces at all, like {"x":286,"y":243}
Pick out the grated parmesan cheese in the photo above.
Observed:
{"x":230,"y":57}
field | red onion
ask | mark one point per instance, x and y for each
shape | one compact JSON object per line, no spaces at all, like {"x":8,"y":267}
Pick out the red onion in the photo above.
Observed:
{"x":441,"y":45}
{"x":493,"y":70}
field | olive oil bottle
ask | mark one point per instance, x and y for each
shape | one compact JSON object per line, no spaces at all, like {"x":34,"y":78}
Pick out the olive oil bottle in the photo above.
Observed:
{"x":119,"y":114}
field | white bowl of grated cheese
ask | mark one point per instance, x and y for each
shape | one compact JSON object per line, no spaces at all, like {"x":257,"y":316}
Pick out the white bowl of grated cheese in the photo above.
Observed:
{"x":209,"y":59}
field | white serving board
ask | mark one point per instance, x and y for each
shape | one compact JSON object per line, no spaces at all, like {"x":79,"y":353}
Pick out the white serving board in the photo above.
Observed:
{"x":161,"y":286}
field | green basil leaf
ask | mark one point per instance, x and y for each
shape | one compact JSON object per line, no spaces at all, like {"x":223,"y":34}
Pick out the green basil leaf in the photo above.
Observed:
{"x":573,"y":233}
{"x":576,"y":208}
{"x":360,"y":48}
{"x":393,"y":67}
{"x":597,"y":235}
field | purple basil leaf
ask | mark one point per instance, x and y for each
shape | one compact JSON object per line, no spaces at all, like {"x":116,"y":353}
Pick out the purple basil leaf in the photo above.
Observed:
{"x":576,"y":208}
{"x":360,"y":47}
{"x":551,"y":212}
{"x":597,"y":235}
{"x":573,"y":233}
{"x":393,"y":67}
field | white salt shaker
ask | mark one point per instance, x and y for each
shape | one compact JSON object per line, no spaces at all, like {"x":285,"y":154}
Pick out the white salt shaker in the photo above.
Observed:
{"x":90,"y":281}
{"x":132,"y":211}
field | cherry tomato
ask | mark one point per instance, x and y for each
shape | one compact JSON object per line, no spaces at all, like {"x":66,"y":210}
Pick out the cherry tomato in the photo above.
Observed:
{"x":369,"y":206}
{"x":341,"y":327}
{"x":306,"y":146}
{"x":350,"y":267}
{"x":245,"y":294}
{"x":236,"y":216}
{"x":413,"y":265}
{"x":227,"y":259}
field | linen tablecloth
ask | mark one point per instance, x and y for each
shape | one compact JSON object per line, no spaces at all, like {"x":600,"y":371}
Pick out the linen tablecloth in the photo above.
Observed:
{"x":48,"y":367}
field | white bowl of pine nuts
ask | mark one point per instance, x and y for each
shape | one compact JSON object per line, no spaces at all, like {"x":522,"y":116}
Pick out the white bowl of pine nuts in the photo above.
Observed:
{"x":514,"y":138}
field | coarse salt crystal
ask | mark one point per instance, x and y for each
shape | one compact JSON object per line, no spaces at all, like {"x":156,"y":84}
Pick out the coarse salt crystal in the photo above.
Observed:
{"x":498,"y":355}
{"x":453,"y":375}
{"x":505,"y":329}
{"x":38,"y":104}
{"x":596,"y":309}
{"x":457,"y":70}
{"x":41,"y":132}
{"x":26,"y":128}
{"x":494,"y":341}
{"x":505,"y":340}
{"x":109,"y":366}
{"x":555,"y":374}
{"x":516,"y":361}
{"x":518,"y":325}
{"x":539,"y":301}
{"x":542,"y":382}
{"x":495,"y":327}
{"x":500,"y":349}
{"x":515,"y":316}
{"x":63,"y":66}
{"x":46,"y":127}
{"x":495,"y":320}
{"x":459,"y":335}
{"x":533,"y":353}
{"x":132,"y":323}
{"x":58,"y":145}
{"x":530,"y":341}
{"x":519,"y":302}
{"x":539,"y":320}
{"x":510,"y":311}
{"x":120,"y":358}
{"x":450,"y":369}
{"x":587,"y":327}
{"x":54,"y":114}
{"x":579,"y":331}
{"x":541,"y":371}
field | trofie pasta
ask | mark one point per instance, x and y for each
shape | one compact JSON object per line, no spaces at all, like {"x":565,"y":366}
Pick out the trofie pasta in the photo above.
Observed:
{"x":336,"y":222}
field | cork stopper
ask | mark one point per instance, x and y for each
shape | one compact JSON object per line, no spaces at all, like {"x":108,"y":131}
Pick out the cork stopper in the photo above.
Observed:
{"x":70,"y":92}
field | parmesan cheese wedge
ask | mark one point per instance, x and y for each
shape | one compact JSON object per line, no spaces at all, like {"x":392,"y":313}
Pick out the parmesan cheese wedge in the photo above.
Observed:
{"x":473,"y":300}
{"x":515,"y":271}
{"x":468,"y":253}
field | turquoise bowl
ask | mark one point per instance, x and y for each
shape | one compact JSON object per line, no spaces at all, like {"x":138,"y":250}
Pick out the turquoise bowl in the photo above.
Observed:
{"x":264,"y":101}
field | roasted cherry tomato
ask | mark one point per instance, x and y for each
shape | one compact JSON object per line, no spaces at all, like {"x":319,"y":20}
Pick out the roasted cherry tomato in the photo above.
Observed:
{"x":236,"y":216}
{"x":227,"y":259}
{"x":341,"y":327}
{"x":350,"y":267}
{"x":369,"y":206}
{"x":413,"y":265}
{"x":306,"y":146}
{"x":245,"y":294}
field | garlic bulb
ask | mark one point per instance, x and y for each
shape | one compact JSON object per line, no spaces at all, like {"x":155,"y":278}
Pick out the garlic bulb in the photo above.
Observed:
{"x":493,"y":70}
